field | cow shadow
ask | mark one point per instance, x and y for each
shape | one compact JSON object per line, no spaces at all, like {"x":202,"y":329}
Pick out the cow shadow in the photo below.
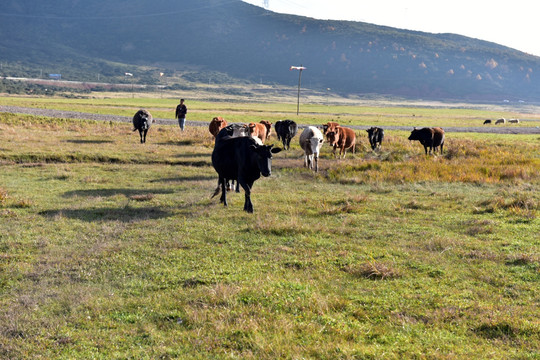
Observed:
{"x":177,"y":142}
{"x":84,"y":141}
{"x":198,"y":155}
{"x":125,"y":214}
{"x":113,"y":192}
{"x":184,"y":178}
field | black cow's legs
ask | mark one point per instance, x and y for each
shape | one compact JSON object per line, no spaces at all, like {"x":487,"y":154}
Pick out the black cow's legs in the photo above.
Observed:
{"x":222,"y":183}
{"x":248,"y":205}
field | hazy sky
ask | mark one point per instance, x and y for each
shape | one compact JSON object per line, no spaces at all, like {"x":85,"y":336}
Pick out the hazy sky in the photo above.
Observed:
{"x":513,"y":23}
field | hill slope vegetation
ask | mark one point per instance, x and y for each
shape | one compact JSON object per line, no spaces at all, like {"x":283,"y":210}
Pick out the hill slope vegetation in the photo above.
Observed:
{"x":246,"y":42}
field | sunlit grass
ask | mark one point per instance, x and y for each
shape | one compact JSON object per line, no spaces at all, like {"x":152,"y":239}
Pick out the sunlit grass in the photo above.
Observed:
{"x":113,"y":249}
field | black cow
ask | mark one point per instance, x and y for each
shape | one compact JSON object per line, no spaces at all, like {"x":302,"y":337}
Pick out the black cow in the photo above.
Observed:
{"x":429,"y":137}
{"x":376,"y":136}
{"x":142,"y":121}
{"x":285,"y":130}
{"x":232,"y":131}
{"x":241,"y":159}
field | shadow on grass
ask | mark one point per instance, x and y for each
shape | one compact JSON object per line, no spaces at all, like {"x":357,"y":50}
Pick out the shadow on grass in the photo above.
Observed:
{"x":112,"y":192}
{"x":185,"y":178}
{"x":127,"y":214}
{"x":86,"y":141}
{"x":178,"y":142}
{"x":197,"y":155}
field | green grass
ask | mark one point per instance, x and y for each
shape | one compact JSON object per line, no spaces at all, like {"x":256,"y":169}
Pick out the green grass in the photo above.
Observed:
{"x":312,"y":113}
{"x":111,"y":250}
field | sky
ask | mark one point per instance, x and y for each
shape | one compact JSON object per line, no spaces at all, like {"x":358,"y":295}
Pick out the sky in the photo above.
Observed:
{"x":511,"y":23}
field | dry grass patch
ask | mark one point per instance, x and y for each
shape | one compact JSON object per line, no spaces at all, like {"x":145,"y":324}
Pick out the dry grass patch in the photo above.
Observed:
{"x":142,"y":197}
{"x":479,"y":227}
{"x":352,"y":205}
{"x":3,"y":197}
{"x":373,"y":270}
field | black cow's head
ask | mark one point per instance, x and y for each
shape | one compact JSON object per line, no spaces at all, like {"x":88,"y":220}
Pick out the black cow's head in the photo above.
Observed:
{"x":415,"y":134}
{"x":372,"y":132}
{"x":145,"y":123}
{"x":264,"y":157}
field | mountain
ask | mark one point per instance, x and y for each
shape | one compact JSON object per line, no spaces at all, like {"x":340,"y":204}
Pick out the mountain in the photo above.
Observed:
{"x":81,"y":38}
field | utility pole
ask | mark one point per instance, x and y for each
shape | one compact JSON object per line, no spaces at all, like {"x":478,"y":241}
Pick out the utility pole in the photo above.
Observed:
{"x":299,"y":68}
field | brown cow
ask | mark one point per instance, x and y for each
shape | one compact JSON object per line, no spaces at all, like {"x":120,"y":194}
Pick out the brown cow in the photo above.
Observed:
{"x":342,"y":138}
{"x":268,"y":125}
{"x":260,"y":130}
{"x":216,"y":125}
{"x":329,"y":126}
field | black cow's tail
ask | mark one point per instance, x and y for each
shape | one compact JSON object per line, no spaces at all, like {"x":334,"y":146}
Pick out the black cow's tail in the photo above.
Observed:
{"x":218,"y":189}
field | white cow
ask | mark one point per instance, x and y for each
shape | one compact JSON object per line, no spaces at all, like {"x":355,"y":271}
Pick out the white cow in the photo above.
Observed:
{"x":311,"y":141}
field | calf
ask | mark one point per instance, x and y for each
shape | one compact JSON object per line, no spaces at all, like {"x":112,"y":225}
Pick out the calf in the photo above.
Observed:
{"x":513,"y":121}
{"x":216,"y":125}
{"x":244,"y":160}
{"x":500,"y":121}
{"x":260,"y":130}
{"x":142,"y":120}
{"x":285,"y":131}
{"x":376,"y":136}
{"x":429,"y":137}
{"x":343,"y":138}
{"x":311,"y":141}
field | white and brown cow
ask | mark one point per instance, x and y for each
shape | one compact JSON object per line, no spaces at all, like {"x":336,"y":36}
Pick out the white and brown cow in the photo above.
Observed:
{"x":311,"y":141}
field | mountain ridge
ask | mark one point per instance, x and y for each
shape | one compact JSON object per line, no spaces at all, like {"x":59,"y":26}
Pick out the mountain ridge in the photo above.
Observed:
{"x":247,"y":42}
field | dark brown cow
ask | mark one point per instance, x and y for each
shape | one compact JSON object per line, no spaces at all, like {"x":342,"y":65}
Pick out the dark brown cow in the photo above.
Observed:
{"x":216,"y":125}
{"x":429,"y":137}
{"x":343,"y":138}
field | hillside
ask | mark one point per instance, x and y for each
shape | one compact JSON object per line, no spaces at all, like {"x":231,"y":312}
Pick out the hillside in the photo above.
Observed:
{"x":82,"y":39}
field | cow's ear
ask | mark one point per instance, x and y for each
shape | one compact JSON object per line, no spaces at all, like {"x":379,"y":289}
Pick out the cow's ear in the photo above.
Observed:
{"x":275,"y":150}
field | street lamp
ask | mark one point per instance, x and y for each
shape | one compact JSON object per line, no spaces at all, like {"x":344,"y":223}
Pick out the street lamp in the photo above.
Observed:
{"x":299,"y":68}
{"x":125,"y":77}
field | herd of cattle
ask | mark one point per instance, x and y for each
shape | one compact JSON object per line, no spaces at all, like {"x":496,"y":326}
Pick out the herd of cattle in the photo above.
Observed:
{"x":501,"y":121}
{"x":240,"y":153}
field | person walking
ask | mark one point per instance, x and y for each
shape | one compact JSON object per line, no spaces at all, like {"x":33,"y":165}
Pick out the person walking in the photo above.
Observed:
{"x":181,"y":111}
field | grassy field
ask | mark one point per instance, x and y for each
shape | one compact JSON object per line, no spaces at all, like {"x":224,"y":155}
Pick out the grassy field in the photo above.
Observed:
{"x":450,"y":115}
{"x":110,"y":249}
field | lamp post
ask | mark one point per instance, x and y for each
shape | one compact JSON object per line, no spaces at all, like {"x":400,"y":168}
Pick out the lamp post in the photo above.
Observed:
{"x":299,"y":68}
{"x":327,"y":96}
{"x":131,"y":76}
